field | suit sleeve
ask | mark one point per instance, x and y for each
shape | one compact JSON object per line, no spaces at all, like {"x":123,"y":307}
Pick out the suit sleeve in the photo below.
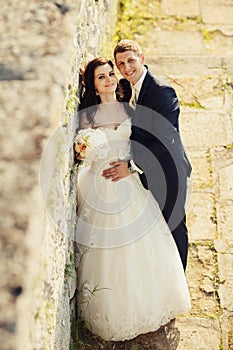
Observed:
{"x":156,"y":128}
{"x":166,"y":103}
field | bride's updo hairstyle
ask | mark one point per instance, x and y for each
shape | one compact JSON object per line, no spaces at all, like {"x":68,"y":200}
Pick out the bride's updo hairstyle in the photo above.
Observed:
{"x":89,"y":97}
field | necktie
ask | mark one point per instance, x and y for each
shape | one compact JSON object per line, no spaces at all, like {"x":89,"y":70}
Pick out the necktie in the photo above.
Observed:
{"x":133,"y":99}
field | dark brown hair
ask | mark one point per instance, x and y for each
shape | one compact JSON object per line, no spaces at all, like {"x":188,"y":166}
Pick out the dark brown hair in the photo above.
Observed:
{"x":127,"y":45}
{"x":88,"y":96}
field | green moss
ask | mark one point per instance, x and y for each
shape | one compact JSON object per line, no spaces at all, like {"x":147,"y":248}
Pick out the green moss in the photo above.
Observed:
{"x":76,"y":341}
{"x":221,"y":346}
{"x":50,"y":314}
{"x":71,"y":103}
{"x":229,"y":146}
{"x":194,"y":104}
{"x":213,"y":216}
{"x":70,"y":265}
{"x":199,"y":20}
{"x":133,"y":20}
{"x":81,"y":339}
{"x":207,"y":35}
{"x":38,"y":314}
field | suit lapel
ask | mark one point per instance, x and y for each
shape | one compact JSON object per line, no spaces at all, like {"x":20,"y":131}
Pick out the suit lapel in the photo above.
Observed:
{"x":144,"y":88}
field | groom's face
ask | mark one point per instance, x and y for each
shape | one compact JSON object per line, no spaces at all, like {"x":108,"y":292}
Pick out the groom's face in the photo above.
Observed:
{"x":130,"y":65}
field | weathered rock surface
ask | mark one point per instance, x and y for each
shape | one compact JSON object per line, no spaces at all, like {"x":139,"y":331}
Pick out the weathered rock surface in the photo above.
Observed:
{"x":43,"y":44}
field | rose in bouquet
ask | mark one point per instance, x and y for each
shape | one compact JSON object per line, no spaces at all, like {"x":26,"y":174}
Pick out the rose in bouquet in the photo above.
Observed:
{"x":91,"y":144}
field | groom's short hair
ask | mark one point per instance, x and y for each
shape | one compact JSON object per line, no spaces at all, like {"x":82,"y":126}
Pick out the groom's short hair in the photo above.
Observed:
{"x":127,"y":45}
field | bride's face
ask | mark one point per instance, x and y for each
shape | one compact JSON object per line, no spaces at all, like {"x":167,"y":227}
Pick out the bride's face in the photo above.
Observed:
{"x":105,"y":80}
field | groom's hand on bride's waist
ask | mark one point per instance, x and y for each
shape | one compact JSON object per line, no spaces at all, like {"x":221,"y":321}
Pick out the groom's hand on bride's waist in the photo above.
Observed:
{"x":117,"y":171}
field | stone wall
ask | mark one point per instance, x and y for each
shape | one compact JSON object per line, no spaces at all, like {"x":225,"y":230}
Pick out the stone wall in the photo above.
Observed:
{"x":43,"y":44}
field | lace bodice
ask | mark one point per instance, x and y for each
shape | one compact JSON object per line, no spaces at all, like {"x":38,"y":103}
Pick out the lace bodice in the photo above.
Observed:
{"x":119,"y":144}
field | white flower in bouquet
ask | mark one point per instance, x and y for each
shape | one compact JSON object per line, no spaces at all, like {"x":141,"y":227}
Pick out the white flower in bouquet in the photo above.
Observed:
{"x":91,"y":144}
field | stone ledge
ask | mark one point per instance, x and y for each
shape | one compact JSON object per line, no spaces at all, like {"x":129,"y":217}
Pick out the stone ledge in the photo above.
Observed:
{"x":196,"y":123}
{"x":190,"y":65}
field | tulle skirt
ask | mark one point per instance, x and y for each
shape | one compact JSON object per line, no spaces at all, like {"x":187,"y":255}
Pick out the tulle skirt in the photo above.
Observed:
{"x":131,"y":280}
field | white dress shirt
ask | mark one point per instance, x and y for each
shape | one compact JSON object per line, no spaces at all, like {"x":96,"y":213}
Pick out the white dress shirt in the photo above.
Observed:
{"x":133,"y":101}
{"x":137,"y":86}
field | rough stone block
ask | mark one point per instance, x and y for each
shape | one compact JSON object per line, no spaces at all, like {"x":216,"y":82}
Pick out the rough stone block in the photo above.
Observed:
{"x":225,"y":175}
{"x":226,"y":320}
{"x":218,"y":42}
{"x":224,"y":243}
{"x":201,"y":179}
{"x":220,"y":13}
{"x":37,"y":63}
{"x":178,"y":42}
{"x":194,"y":126}
{"x":198,"y":334}
{"x":200,"y":211}
{"x":180,"y":8}
{"x":207,"y":91}
{"x":225,"y":263}
{"x":190,"y":65}
{"x":212,"y":103}
{"x":201,"y":277}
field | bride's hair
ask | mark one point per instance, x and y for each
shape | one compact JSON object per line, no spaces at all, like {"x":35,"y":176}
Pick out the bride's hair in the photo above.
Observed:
{"x":88,"y":96}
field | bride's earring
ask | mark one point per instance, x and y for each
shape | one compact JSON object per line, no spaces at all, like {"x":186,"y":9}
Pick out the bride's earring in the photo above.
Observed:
{"x":96,"y":93}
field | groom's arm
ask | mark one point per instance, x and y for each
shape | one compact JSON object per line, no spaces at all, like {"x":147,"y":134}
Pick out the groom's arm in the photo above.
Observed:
{"x":117,"y":171}
{"x":165,"y":102}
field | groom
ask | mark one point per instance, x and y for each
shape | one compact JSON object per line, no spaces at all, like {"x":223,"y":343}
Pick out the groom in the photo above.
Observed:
{"x":156,"y":144}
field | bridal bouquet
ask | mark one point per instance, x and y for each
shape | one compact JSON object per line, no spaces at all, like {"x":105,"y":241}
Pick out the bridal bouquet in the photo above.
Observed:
{"x":91,"y":144}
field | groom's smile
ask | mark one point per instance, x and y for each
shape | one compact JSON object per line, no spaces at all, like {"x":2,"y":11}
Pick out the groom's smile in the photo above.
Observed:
{"x":130,"y":65}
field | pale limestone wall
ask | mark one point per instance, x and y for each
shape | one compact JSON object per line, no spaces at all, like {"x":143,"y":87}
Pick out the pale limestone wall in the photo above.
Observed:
{"x":42,"y":46}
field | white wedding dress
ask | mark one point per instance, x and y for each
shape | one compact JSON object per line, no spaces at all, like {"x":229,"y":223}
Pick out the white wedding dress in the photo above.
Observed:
{"x":131,"y":279}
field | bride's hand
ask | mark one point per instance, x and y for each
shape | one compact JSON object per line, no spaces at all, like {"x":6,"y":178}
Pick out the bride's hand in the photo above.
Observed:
{"x":118,"y":171}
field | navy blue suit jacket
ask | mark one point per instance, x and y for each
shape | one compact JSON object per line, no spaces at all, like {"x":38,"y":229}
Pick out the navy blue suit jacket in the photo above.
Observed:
{"x":156,"y":144}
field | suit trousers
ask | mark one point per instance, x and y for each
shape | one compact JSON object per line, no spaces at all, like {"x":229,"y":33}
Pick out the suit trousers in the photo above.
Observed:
{"x":171,"y":198}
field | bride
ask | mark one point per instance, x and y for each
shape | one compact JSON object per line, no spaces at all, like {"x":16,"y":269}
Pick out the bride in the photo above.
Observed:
{"x":131,"y":280}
